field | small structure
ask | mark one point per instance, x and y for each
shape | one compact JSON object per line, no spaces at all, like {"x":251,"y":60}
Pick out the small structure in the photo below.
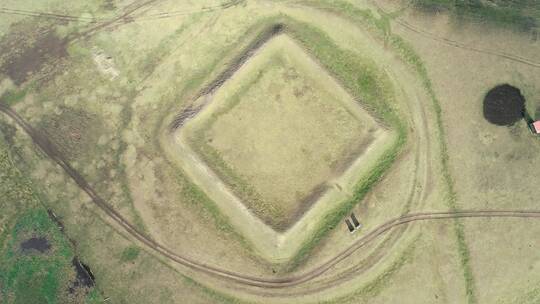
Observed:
{"x":355,"y":221}
{"x":353,"y":224}
{"x":535,"y":127}
{"x":349,"y":225}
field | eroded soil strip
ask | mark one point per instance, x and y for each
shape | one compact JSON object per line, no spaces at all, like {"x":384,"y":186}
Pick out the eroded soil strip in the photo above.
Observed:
{"x":209,"y":89}
{"x":52,"y":152}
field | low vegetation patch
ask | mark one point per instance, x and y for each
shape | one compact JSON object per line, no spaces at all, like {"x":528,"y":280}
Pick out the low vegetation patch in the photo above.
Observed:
{"x":36,"y":263}
{"x":130,"y":254}
{"x":74,"y":131}
{"x":35,"y":257}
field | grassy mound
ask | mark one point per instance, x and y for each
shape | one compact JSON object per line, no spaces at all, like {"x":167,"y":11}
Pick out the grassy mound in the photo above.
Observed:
{"x":278,"y":120}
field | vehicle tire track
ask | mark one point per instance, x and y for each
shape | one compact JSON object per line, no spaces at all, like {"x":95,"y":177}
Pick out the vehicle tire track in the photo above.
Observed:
{"x":53,"y":153}
{"x":155,"y":16}
{"x":125,"y":16}
{"x":408,"y":26}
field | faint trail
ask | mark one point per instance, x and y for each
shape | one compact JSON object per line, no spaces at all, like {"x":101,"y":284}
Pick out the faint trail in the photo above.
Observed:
{"x":463,"y":46}
{"x":124,"y":17}
{"x":457,"y":44}
{"x":155,"y":16}
{"x":431,"y":36}
{"x":52,"y":152}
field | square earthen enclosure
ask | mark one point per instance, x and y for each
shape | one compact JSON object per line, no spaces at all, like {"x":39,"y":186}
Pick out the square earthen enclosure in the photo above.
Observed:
{"x":277,"y":146}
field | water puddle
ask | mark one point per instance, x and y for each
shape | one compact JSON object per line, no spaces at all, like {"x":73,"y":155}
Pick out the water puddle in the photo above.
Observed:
{"x":39,"y":244}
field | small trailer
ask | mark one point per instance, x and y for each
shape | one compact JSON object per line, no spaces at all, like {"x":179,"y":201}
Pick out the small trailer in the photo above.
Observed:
{"x":535,"y":127}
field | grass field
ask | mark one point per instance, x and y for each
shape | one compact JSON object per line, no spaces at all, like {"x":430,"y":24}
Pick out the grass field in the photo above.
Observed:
{"x":298,"y":113}
{"x":42,"y":275}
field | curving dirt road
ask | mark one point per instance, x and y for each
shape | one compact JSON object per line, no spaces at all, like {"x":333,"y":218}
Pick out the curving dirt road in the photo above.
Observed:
{"x":52,"y":152}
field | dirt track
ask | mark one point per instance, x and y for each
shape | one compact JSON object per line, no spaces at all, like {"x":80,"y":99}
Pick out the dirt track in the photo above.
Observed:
{"x":426,"y":34}
{"x":408,"y":26}
{"x":52,"y":152}
{"x":129,"y":10}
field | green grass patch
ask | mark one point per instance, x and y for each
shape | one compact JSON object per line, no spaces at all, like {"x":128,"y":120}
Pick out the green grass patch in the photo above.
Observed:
{"x":130,"y":254}
{"x":94,"y":297}
{"x":11,"y":97}
{"x":35,"y":278}
{"x":30,"y":277}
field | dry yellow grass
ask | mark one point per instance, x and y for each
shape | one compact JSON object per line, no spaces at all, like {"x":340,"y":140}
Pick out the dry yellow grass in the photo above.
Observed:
{"x":161,"y":62}
{"x":277,"y":124}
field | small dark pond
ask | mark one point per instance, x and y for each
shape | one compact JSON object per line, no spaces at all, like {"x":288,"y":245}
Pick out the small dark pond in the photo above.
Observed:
{"x":84,"y":278}
{"x":40,"y":244}
{"x":504,"y":105}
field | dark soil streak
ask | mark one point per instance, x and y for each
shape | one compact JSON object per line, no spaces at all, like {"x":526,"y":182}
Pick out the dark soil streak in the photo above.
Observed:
{"x":49,"y":48}
{"x":85,"y":278}
{"x":24,"y":63}
{"x":236,"y":64}
{"x":56,"y":220}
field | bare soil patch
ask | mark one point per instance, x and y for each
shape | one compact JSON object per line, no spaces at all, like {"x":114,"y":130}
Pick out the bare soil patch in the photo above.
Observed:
{"x":28,"y":55}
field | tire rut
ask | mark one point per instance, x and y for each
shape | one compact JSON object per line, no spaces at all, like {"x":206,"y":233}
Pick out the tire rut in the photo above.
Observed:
{"x":457,"y":44}
{"x":155,"y":16}
{"x":52,"y":152}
